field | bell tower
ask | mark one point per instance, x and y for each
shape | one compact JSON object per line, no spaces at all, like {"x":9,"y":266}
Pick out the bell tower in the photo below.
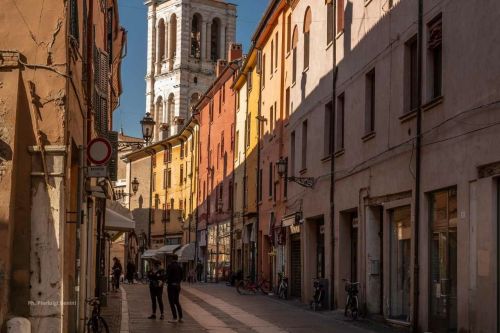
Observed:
{"x":185,"y":40}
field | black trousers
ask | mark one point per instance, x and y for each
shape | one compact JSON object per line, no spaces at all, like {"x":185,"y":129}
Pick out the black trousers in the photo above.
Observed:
{"x":116,"y":281}
{"x":173,"y":298}
{"x":156,"y":294}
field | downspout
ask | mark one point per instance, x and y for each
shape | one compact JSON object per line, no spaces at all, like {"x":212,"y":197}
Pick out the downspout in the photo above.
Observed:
{"x":259,"y":181}
{"x":418,"y":152}
{"x":332,"y":161}
{"x":209,"y":174}
{"x":231,"y":195}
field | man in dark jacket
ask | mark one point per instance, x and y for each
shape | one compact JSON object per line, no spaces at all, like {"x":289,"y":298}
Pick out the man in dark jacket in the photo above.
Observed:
{"x":156,"y":277}
{"x":174,"y":278}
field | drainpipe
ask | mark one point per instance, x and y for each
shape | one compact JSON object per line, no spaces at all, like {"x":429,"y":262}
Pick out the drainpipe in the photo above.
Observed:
{"x":259,"y":181}
{"x":332,"y":160}
{"x":418,"y":148}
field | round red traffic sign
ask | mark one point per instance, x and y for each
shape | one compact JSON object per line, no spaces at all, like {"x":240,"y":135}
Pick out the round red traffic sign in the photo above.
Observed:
{"x":99,"y":151}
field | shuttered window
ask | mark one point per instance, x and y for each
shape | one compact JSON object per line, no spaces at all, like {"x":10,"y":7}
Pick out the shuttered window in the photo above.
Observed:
{"x":101,"y":75}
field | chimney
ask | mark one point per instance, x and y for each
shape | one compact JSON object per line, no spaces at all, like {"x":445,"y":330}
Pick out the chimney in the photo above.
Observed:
{"x":221,"y":64}
{"x":235,"y":52}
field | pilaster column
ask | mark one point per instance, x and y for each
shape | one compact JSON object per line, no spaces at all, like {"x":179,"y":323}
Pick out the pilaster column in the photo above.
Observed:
{"x":208,"y":40}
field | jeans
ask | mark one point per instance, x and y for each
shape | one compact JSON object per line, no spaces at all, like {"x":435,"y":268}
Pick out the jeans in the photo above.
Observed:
{"x":156,"y":294}
{"x":174,"y":291}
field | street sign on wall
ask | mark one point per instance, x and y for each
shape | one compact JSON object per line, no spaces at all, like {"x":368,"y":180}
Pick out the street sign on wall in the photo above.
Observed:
{"x":99,"y":151}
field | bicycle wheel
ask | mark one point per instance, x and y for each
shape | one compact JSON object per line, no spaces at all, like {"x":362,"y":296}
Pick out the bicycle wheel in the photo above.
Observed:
{"x":347,"y":305}
{"x":97,"y":325}
{"x":354,"y":309}
{"x":265,"y":287}
{"x":240,"y":287}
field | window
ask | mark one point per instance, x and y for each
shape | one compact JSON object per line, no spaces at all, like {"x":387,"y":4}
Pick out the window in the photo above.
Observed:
{"x":249,"y":80}
{"x":169,"y":178}
{"x":339,"y":140}
{"x":340,"y":15}
{"x":248,"y":127}
{"x":287,"y":103}
{"x":237,"y":100}
{"x":270,"y":179}
{"x":275,"y":115}
{"x":165,"y":155}
{"x":263,"y":70}
{"x":74,"y":27}
{"x":222,"y":144}
{"x":153,"y":161}
{"x":224,"y":92}
{"x":211,"y":110}
{"x":304,"y":145}
{"x":276,"y":51}
{"x":218,"y":154}
{"x":411,"y":75}
{"x":307,"y":33}
{"x":164,"y":178}
{"x":288,"y":32}
{"x":196,"y":36}
{"x":220,"y":100}
{"x":292,"y":153}
{"x":295,"y":41}
{"x":271,"y":119}
{"x":272,"y":59}
{"x":435,"y":59}
{"x":329,"y":21}
{"x":285,"y":191}
{"x":232,"y":137}
{"x":181,"y":174}
{"x":173,"y":36}
{"x":370,"y":102}
{"x":153,"y":185}
{"x":182,"y":149}
{"x":236,"y":149}
{"x":328,"y":130}
{"x":214,"y":40}
{"x":259,"y":192}
{"x":161,"y":41}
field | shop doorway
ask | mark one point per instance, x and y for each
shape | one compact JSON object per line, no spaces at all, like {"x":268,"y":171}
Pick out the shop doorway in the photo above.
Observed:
{"x":296,"y":266}
{"x":443,"y":261}
{"x":400,"y":263}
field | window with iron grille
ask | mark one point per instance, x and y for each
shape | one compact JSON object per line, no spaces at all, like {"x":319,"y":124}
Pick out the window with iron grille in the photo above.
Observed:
{"x":435,"y":56}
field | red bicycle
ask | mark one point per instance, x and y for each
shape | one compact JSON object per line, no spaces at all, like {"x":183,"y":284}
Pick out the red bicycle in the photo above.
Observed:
{"x":248,"y":286}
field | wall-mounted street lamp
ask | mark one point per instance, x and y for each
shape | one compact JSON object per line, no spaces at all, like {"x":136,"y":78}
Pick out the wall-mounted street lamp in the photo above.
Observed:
{"x":148,"y":126}
{"x":135,"y":185}
{"x":302,"y":181}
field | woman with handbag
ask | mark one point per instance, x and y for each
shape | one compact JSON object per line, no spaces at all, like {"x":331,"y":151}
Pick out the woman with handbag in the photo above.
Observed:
{"x":156,"y":278}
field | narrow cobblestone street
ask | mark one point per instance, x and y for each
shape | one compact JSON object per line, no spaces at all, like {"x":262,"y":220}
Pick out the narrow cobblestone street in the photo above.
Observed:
{"x":218,"y":308}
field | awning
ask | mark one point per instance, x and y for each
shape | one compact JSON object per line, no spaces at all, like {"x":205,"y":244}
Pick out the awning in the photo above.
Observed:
{"x":168,"y":249}
{"x":118,"y":218}
{"x":186,"y":253}
{"x":149,"y":254}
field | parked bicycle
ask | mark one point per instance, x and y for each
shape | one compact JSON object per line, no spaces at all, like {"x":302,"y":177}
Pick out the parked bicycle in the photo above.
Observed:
{"x":248,"y":286}
{"x":96,"y":323}
{"x":352,"y":305}
{"x":282,"y":286}
{"x":319,"y":296}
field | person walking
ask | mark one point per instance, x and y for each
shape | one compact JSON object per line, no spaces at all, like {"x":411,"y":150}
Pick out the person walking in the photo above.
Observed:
{"x":199,"y":270}
{"x":117,"y":272}
{"x":156,"y":276}
{"x":174,"y":277}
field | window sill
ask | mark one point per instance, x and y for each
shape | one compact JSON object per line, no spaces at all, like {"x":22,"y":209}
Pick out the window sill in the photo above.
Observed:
{"x":305,"y":70}
{"x":367,"y":2}
{"x":368,"y":136}
{"x":287,"y":54}
{"x":433,"y":103}
{"x":302,"y":171}
{"x":293,"y":84}
{"x":339,"y":153}
{"x":408,"y":116}
{"x":329,"y":45}
{"x":326,"y":158}
{"x":339,"y":33}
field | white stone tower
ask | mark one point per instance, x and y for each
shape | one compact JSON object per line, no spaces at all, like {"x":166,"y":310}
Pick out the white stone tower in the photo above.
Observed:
{"x":185,"y":40}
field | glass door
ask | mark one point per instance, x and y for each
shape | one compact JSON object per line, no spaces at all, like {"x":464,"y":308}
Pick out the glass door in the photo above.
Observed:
{"x":400,"y":264}
{"x":443,"y":261}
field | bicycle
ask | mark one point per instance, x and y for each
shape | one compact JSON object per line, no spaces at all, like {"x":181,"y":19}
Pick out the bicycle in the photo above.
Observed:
{"x":352,"y":305}
{"x":282,"y":286}
{"x":96,"y":323}
{"x":248,"y":286}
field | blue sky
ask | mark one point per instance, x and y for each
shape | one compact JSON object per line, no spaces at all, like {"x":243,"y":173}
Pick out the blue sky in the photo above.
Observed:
{"x":133,"y":19}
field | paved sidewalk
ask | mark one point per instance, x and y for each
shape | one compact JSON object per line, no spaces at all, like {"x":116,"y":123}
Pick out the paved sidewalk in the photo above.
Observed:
{"x":112,"y":312}
{"x":217,"y":308}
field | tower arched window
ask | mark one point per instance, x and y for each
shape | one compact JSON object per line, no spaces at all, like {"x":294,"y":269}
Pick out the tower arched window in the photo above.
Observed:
{"x":295,"y":41}
{"x":158,"y":115}
{"x":214,"y":39}
{"x":196,"y":36}
{"x":173,"y":36}
{"x":307,"y":36}
{"x":161,"y":40}
{"x":171,"y":109}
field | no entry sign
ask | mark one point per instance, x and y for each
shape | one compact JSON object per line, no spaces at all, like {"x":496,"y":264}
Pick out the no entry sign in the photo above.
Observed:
{"x":99,"y":151}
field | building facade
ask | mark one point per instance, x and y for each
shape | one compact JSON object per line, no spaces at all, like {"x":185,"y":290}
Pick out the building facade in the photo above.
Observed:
{"x":60,"y":85}
{"x":185,"y":40}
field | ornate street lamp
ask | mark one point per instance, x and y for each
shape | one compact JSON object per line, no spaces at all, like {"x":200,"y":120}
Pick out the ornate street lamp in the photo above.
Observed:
{"x":135,"y":185}
{"x":148,"y":126}
{"x":302,"y":181}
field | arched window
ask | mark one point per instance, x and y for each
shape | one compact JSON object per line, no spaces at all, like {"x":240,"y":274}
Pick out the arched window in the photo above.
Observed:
{"x":196,"y":36}
{"x":307,"y":36}
{"x":171,"y":109}
{"x":161,"y":40}
{"x":158,"y":116}
{"x":214,"y":39}
{"x":295,"y":41}
{"x":173,"y":36}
